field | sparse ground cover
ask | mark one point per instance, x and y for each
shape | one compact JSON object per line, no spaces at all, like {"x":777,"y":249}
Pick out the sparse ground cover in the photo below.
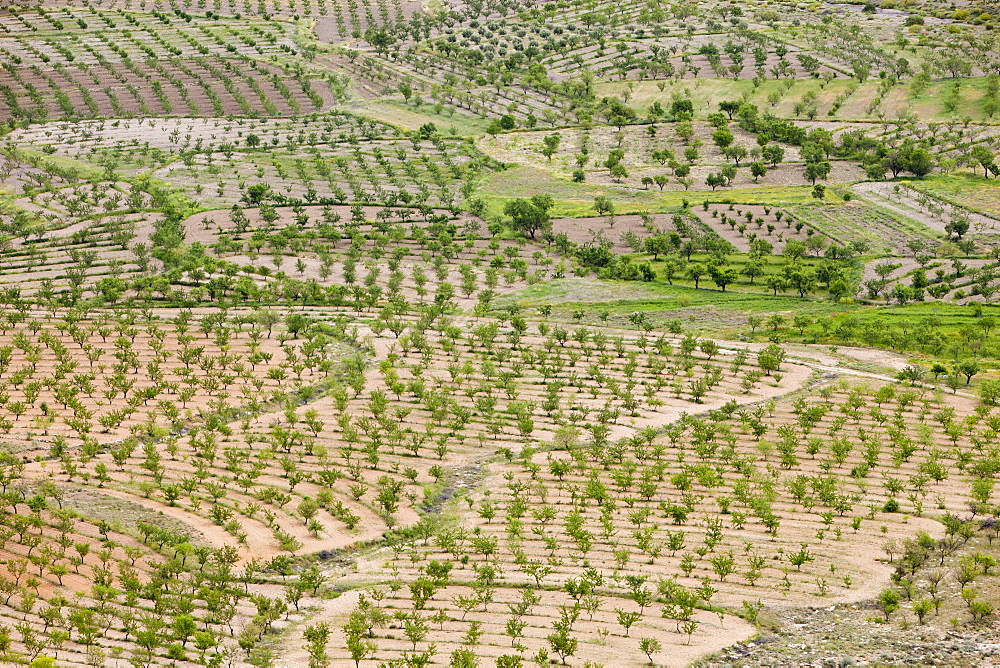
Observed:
{"x":975,"y":194}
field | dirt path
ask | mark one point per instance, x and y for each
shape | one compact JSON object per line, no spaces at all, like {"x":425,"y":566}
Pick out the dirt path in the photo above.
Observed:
{"x":210,"y":532}
{"x":335,"y":612}
{"x":823,"y":361}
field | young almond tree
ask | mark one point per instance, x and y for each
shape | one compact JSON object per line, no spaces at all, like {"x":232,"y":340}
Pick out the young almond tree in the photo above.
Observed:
{"x":649,"y":647}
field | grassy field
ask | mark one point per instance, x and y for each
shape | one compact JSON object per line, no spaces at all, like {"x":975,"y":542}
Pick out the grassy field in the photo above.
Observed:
{"x":396,"y":112}
{"x":855,"y":98}
{"x":577,"y":199}
{"x":719,"y":313}
{"x":975,"y":193}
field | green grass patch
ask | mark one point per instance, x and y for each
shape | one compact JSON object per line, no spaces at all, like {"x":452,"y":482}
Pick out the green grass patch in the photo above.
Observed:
{"x":885,"y":231}
{"x":959,"y":325}
{"x":963,"y":189}
{"x":396,"y":113}
{"x":572,"y":199}
{"x":84,"y":170}
{"x":708,"y":310}
{"x":577,"y":199}
{"x":751,"y":195}
{"x":949,"y":318}
{"x":854,"y":97}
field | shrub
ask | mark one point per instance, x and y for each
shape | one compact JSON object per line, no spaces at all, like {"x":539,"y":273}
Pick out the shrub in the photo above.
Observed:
{"x":888,"y":600}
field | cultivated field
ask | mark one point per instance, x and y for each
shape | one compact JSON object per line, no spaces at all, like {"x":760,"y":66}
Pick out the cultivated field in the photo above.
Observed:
{"x":498,"y":333}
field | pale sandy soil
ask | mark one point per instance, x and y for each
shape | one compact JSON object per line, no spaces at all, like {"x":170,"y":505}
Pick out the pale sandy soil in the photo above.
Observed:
{"x":586,"y":230}
{"x":863,"y":557}
{"x":824,"y":356}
